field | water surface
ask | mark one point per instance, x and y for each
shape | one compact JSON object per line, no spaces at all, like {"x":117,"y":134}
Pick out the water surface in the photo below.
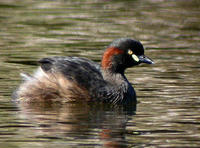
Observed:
{"x":167,"y":114}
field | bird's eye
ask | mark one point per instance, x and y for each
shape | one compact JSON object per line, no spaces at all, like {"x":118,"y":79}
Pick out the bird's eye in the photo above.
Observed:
{"x":135,"y":57}
{"x":130,"y":52}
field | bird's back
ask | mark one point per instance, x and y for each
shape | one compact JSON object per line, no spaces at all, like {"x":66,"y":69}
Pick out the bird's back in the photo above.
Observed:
{"x":70,"y":78}
{"x":79,"y":70}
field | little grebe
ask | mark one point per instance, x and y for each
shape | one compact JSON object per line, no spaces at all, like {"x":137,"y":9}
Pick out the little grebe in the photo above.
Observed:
{"x":74,"y":79}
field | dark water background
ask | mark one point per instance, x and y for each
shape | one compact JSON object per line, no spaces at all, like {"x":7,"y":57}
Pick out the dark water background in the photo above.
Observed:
{"x":168,"y":112}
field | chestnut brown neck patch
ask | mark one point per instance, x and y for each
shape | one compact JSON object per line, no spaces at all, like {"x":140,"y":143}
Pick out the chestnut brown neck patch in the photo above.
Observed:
{"x":106,"y":62}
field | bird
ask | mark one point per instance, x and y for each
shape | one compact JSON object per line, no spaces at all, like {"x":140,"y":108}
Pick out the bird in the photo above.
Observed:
{"x":68,"y":78}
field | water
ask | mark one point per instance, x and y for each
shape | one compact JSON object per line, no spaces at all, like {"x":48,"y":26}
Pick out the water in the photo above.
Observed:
{"x":167,"y":114}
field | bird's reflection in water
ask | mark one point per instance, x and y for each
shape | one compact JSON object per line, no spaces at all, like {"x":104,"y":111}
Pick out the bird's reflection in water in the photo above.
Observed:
{"x":99,"y":124}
